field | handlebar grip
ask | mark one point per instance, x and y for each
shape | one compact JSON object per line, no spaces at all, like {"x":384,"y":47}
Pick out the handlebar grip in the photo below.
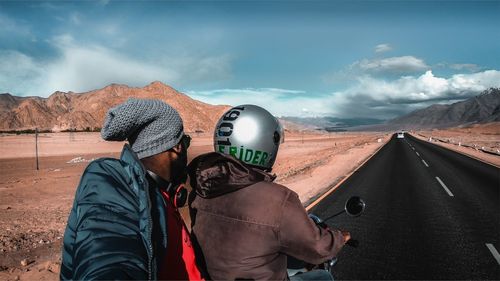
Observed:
{"x":353,"y":243}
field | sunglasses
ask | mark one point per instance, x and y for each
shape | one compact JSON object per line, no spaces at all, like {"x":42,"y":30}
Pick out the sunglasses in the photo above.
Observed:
{"x":186,"y":141}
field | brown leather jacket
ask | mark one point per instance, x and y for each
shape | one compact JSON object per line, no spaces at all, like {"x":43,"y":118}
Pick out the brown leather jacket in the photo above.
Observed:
{"x":244,"y":225}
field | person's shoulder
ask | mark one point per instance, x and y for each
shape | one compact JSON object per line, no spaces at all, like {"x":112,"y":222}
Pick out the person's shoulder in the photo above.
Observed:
{"x":104,"y":163}
{"x":276,"y":186}
{"x":283,"y":191}
{"x":104,"y":174}
{"x":274,"y":189}
{"x":105,"y":167}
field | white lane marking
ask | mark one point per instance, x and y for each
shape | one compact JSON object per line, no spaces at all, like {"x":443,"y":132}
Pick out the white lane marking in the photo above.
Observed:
{"x":417,"y":154}
{"x":444,"y":186}
{"x":413,"y":148}
{"x":425,"y":163}
{"x":494,"y":252}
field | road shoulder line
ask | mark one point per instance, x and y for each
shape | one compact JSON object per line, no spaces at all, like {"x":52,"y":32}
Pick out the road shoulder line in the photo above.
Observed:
{"x":457,"y":151}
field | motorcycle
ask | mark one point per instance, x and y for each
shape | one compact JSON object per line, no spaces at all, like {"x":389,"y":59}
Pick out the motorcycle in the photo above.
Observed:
{"x":353,"y":207}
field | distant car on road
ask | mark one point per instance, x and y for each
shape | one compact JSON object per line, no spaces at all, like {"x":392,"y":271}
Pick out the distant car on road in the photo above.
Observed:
{"x":401,"y":135}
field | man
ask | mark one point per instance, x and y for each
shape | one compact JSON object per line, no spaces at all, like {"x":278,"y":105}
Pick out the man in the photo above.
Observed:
{"x":124,"y":223}
{"x":245,"y":225}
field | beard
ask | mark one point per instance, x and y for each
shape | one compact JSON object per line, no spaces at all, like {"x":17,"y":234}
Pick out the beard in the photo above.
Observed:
{"x":179,"y":169}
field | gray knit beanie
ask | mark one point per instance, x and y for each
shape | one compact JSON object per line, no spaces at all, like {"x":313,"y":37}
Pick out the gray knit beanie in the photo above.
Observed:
{"x":150,"y":126}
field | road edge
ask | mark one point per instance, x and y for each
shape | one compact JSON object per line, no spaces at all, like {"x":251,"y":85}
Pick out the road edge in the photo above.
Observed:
{"x":453,"y":150}
{"x":332,"y":189}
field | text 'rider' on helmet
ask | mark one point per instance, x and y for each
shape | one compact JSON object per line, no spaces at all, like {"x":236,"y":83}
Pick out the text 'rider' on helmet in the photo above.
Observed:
{"x":249,"y":133}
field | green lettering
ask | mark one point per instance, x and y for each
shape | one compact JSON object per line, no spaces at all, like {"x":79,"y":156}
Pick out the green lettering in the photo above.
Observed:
{"x":221,"y":148}
{"x":240,"y":156}
{"x":263,"y":159}
{"x":255,"y":159}
{"x":233,"y":150}
{"x":248,"y":155}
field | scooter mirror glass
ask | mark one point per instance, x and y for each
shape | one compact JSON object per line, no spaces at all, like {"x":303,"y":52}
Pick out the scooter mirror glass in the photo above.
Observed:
{"x":354,"y":206}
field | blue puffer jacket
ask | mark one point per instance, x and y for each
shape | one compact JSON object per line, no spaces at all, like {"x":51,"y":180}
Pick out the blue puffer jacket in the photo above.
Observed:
{"x":117,"y":227}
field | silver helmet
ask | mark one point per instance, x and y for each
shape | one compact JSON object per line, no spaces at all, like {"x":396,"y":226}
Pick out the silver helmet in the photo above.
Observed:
{"x":249,"y":133}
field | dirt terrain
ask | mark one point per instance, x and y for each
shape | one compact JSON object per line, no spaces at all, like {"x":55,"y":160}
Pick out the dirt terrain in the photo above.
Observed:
{"x":34,"y":204}
{"x":479,"y":141}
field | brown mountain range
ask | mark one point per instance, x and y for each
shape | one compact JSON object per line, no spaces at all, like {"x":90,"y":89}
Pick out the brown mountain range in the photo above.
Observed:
{"x":480,"y":109}
{"x":81,"y":111}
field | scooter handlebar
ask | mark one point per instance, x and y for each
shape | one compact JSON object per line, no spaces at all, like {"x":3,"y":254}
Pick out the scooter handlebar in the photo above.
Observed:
{"x":320,"y":223}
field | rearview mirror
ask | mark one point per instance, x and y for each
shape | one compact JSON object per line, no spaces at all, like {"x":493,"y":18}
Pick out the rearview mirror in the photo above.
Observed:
{"x":354,"y":206}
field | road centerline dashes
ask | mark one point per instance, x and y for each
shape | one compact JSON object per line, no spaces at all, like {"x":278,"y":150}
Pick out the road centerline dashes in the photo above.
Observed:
{"x":425,"y":163}
{"x":417,"y":154}
{"x":444,"y":186}
{"x":494,"y":252}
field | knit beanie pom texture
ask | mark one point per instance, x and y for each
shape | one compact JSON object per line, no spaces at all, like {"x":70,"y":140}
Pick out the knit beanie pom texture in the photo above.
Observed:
{"x":150,"y":126}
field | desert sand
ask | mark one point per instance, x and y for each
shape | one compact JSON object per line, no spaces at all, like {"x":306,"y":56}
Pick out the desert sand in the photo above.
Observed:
{"x":479,"y":141}
{"x":34,"y":204}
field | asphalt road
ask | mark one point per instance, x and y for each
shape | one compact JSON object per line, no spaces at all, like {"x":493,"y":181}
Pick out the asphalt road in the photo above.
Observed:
{"x":431,"y":214}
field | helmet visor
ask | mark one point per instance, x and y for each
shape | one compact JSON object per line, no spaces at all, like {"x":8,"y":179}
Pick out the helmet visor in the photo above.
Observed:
{"x":280,"y":131}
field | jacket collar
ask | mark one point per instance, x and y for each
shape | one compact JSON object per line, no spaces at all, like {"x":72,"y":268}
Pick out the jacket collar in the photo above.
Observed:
{"x":214,"y":174}
{"x":160,"y":182}
{"x":130,"y":157}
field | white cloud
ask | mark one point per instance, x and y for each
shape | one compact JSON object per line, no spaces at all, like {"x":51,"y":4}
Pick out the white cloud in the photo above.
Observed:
{"x":382,"y":48}
{"x":398,"y":65}
{"x":87,"y":68}
{"x":392,"y":66}
{"x":280,"y":102}
{"x":19,"y":72}
{"x":82,"y":68}
{"x":370,"y":97}
{"x":465,"y":66}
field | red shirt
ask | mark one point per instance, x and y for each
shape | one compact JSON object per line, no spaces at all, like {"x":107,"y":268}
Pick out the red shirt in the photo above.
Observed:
{"x":180,"y":262}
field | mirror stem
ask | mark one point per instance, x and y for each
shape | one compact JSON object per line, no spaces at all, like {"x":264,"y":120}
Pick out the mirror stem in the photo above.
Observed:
{"x":332,"y":216}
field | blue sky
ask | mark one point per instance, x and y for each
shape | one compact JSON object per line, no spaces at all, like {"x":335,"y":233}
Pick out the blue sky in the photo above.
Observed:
{"x":376,"y":59}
